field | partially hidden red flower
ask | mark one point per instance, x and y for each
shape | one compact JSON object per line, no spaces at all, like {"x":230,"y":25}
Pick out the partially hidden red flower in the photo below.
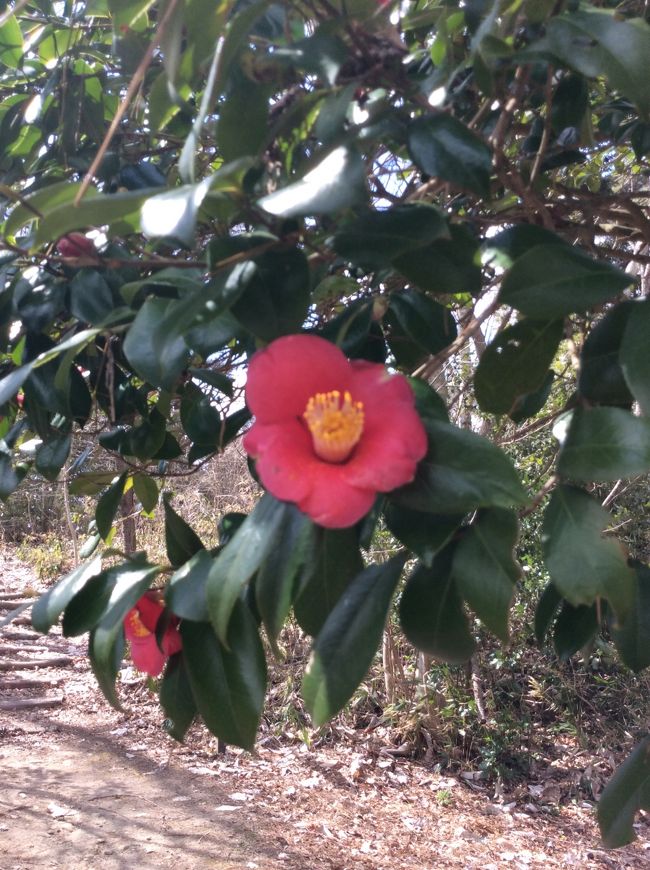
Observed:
{"x":140,"y":630}
{"x":330,"y":433}
{"x":76,"y":245}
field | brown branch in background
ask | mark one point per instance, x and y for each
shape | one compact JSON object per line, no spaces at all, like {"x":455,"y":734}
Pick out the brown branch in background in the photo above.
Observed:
{"x":134,"y":84}
{"x":546,"y":133}
{"x":430,"y":367}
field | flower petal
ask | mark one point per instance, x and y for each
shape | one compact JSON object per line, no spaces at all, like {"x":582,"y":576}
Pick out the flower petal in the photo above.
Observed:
{"x":146,"y":656}
{"x":285,"y":458}
{"x":283,"y":376}
{"x":149,"y":610}
{"x":332,"y":502}
{"x":394,"y":439}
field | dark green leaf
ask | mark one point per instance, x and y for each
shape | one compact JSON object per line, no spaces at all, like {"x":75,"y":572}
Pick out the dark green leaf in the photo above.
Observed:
{"x":443,"y":147}
{"x":431,"y":612}
{"x":531,"y":403}
{"x":146,"y":491}
{"x":52,"y":603}
{"x":275,"y":296}
{"x":461,"y":472}
{"x":108,"y":505}
{"x":516,"y":363}
{"x":132,"y":579}
{"x":154,"y":345}
{"x":218,"y":380}
{"x":377,"y":237}
{"x":241,"y":558}
{"x":176,"y":698}
{"x":485,"y":569}
{"x":550,"y":281}
{"x":201,"y":420}
{"x":605,"y":444}
{"x":335,"y":562}
{"x":446,"y":265}
{"x":429,"y":324}
{"x":91,"y":298}
{"x":228,"y":686}
{"x":243,"y":122}
{"x":119,"y":211}
{"x":547,"y":606}
{"x":635,"y":354}
{"x":627,"y":792}
{"x":429,"y":405}
{"x":275,"y":583}
{"x":601,"y":379}
{"x":181,"y":540}
{"x":595,"y":43}
{"x":185,"y":594}
{"x":51,"y":456}
{"x":632,"y":637}
{"x":575,"y":627}
{"x":582,"y":563}
{"x":87,"y":607}
{"x":423,"y":533}
{"x":348,"y":641}
{"x":511,"y":244}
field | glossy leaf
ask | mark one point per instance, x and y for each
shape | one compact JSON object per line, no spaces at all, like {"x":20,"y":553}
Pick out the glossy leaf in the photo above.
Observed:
{"x":632,"y":637}
{"x":377,"y":237}
{"x":335,"y":562}
{"x":431,"y":612}
{"x":337,"y":182}
{"x":52,"y":455}
{"x":228,"y":686}
{"x":241,"y":558}
{"x":181,"y":540}
{"x":426,"y":322}
{"x":575,"y":627}
{"x":605,"y":444}
{"x":461,"y":472}
{"x":274,"y":297}
{"x":516,"y":364}
{"x":485,"y":569}
{"x":87,"y":607}
{"x":547,"y":607}
{"x":550,"y":281}
{"x":635,"y":354}
{"x":108,"y":504}
{"x":276,"y":580}
{"x":345,"y":646}
{"x":627,"y":792}
{"x":146,"y":491}
{"x":596,"y":43}
{"x":176,"y":698}
{"x":52,"y":603}
{"x":423,"y":533}
{"x":185,"y":594}
{"x":601,"y":379}
{"x":443,"y":147}
{"x":582,"y":563}
{"x":154,"y":345}
{"x":106,"y":640}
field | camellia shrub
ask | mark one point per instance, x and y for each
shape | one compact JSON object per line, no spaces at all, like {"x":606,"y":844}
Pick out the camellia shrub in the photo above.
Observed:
{"x":377,"y":239}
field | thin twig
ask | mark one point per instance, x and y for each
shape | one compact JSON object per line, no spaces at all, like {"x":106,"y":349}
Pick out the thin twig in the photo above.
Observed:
{"x":134,"y":84}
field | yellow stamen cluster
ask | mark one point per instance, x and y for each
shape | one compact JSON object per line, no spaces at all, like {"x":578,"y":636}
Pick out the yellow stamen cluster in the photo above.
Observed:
{"x":137,"y":626}
{"x":335,"y":423}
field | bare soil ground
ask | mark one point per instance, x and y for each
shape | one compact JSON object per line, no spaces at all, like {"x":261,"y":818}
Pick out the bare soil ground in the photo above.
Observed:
{"x":83,"y":786}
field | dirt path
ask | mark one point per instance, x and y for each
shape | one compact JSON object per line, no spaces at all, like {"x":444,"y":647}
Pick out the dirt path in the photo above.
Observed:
{"x":83,"y":786}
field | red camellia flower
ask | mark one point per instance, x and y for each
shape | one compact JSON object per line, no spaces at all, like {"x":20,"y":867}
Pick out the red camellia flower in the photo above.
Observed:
{"x":140,"y":630}
{"x":76,"y":245}
{"x":330,"y":433}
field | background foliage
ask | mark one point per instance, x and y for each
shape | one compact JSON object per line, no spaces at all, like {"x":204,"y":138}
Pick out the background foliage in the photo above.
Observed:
{"x":459,"y":191}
